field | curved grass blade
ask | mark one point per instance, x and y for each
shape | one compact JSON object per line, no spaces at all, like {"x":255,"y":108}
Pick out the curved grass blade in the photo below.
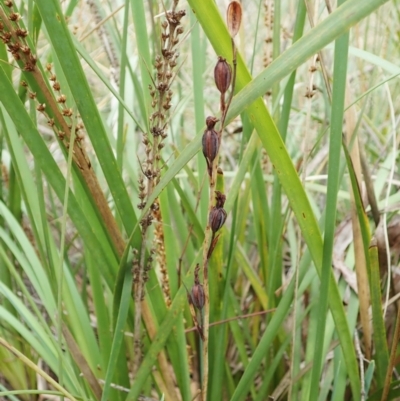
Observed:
{"x":335,"y":141}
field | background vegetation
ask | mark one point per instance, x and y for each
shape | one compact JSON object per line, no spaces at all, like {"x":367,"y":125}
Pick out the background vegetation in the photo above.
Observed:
{"x":304,"y":278}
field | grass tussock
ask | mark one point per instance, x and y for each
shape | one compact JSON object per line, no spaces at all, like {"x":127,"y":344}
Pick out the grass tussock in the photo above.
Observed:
{"x":199,"y":200}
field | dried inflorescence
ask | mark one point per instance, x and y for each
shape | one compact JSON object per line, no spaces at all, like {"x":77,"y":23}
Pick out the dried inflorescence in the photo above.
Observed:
{"x":161,"y":98}
{"x":13,"y":36}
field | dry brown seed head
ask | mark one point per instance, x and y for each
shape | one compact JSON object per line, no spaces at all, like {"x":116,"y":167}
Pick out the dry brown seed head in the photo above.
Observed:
{"x":62,"y":99}
{"x":14,"y":48}
{"x":29,"y":67}
{"x":56,"y":86}
{"x":67,"y":112}
{"x":49,"y":67}
{"x":25,"y":49}
{"x":6,"y":37}
{"x":222,"y":75}
{"x":14,"y":17}
{"x":41,"y":107}
{"x":234,"y":17}
{"x":32,"y":95}
{"x":24,"y":84}
{"x":8,"y":3}
{"x":21,"y":32}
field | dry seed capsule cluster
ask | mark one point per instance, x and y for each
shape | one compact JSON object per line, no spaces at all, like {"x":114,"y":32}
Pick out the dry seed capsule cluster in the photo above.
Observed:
{"x":224,"y":78}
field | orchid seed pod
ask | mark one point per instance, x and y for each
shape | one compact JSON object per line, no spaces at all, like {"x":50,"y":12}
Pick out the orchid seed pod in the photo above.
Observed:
{"x":217,"y":218}
{"x":234,"y":17}
{"x":222,"y":75}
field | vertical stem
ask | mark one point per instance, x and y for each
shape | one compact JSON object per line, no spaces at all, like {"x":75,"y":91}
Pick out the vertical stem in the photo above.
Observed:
{"x":206,"y":246}
{"x":209,"y":235}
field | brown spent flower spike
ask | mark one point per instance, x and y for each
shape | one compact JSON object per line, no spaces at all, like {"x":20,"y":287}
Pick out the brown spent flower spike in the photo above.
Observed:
{"x":234,"y":17}
{"x":222,"y":75}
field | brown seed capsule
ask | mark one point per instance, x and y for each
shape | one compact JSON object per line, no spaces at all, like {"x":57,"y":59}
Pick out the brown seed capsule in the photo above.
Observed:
{"x":222,"y":75}
{"x":210,"y":145}
{"x":197,"y":296}
{"x":217,"y":218}
{"x":234,"y":17}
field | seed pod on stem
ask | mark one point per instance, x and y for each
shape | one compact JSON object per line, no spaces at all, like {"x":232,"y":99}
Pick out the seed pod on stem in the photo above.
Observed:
{"x":222,"y":75}
{"x":197,"y":296}
{"x":217,"y":218}
{"x":234,"y":17}
{"x":218,"y":214}
{"x":210,"y":142}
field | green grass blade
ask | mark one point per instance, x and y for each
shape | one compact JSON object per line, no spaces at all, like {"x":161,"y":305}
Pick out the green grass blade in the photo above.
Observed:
{"x":335,"y":142}
{"x":378,"y":323}
{"x":118,"y":332}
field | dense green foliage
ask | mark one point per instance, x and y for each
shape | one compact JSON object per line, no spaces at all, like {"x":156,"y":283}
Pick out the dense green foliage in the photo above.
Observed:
{"x":301,"y":304}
